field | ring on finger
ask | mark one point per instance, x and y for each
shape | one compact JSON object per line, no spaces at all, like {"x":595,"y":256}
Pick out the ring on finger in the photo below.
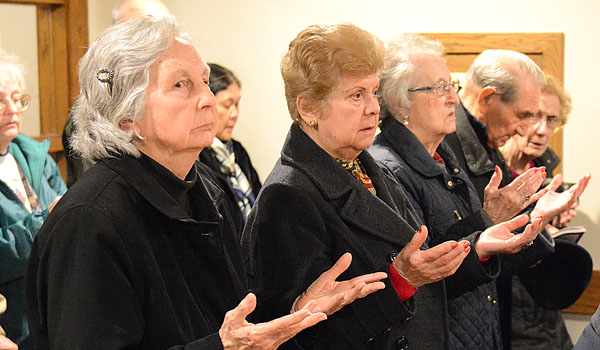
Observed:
{"x":527,"y":245}
{"x":527,"y":198}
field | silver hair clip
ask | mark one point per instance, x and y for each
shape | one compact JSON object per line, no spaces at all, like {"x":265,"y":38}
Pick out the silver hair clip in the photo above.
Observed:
{"x":106,"y":76}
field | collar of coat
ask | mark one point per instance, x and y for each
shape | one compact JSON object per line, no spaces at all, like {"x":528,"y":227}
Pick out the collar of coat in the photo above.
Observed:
{"x":474,"y":151}
{"x":140,"y":180}
{"x":412,"y":151}
{"x":386,"y":215}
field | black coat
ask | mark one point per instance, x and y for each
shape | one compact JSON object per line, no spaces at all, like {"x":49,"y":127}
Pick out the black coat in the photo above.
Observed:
{"x":311,"y":211}
{"x":469,"y":144}
{"x":446,"y":201}
{"x":119,"y":264}
{"x":209,"y":157}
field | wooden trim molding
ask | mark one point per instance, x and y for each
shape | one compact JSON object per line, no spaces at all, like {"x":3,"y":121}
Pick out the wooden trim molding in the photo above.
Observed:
{"x":62,"y":30}
{"x":589,"y":300}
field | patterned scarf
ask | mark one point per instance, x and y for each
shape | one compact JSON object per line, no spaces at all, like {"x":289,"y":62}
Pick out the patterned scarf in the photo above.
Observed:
{"x":235,"y":176}
{"x":356,"y":169}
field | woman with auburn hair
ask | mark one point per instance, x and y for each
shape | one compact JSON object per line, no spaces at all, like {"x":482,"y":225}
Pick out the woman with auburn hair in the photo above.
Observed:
{"x":326,"y":196}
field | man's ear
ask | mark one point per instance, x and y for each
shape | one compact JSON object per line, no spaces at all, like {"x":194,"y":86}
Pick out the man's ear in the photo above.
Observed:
{"x":306,"y":109}
{"x":484,"y":98}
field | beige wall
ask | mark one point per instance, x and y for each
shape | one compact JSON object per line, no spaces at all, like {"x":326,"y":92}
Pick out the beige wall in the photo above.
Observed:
{"x":250,"y":36}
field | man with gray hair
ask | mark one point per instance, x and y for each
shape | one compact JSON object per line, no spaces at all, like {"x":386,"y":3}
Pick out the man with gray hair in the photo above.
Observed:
{"x":500,"y":99}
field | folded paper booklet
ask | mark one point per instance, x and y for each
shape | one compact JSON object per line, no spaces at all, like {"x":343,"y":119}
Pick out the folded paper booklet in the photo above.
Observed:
{"x":571,"y":233}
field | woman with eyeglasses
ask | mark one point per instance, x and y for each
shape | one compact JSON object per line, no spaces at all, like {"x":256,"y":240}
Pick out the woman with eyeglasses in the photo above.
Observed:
{"x":30,"y":186}
{"x":534,"y":323}
{"x":418,"y":98}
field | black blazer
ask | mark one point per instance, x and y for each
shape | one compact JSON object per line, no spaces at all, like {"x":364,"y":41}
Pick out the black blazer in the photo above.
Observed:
{"x":311,"y":211}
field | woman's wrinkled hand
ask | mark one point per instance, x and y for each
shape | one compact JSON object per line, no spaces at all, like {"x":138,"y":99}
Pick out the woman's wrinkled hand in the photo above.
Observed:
{"x":553,"y":203}
{"x":420,"y":267}
{"x":238,"y":334}
{"x":502,"y":204}
{"x":499,"y":239}
{"x":327,"y":295}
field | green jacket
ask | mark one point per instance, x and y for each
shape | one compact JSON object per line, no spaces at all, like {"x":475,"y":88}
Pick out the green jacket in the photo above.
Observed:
{"x":19,"y":227}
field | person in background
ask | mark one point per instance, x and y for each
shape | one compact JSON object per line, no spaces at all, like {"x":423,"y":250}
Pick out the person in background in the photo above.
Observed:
{"x":501,"y":99}
{"x":226,"y":156}
{"x":533,"y":326}
{"x":141,"y":253}
{"x":590,"y":337}
{"x":418,"y":98}
{"x":125,"y":10}
{"x":30,"y":187}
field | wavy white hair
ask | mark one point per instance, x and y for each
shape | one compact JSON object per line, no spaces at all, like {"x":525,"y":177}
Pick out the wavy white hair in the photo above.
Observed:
{"x":400,"y":73}
{"x":129,"y":50}
{"x":11,"y":70}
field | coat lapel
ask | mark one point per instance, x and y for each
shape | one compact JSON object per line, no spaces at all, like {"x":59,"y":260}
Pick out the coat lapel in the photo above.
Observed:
{"x":387,"y":215}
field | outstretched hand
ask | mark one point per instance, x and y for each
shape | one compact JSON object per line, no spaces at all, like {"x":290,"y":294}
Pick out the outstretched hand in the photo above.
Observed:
{"x":420,"y":267}
{"x":499,"y":239}
{"x":239,"y":334}
{"x":327,"y":295}
{"x":554,"y":203}
{"x":502,"y":204}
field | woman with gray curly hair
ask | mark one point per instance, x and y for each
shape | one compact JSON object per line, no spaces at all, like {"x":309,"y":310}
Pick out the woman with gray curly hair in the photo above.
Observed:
{"x":141,"y":252}
{"x":418,"y":98}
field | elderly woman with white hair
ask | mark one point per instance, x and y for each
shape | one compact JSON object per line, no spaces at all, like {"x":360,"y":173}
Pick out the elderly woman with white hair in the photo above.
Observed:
{"x":418,"y":98}
{"x":141,"y":252}
{"x":30,"y":186}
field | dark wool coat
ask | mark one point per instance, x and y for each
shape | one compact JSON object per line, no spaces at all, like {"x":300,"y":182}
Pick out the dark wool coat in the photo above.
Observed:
{"x":446,"y":201}
{"x":119,"y":264}
{"x":209,"y":157}
{"x":311,"y":211}
{"x":469,"y":144}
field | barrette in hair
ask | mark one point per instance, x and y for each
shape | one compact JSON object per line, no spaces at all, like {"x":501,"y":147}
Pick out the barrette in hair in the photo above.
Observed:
{"x":106,"y":76}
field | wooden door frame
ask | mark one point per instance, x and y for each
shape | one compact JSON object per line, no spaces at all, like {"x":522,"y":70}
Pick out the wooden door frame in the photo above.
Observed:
{"x":62,"y":32}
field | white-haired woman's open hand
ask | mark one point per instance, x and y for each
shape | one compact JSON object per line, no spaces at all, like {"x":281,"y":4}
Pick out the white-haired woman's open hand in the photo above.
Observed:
{"x":327,"y":295}
{"x":500,"y":239}
{"x":238,"y":334}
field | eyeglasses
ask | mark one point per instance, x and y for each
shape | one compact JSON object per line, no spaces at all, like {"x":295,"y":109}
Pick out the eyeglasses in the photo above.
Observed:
{"x":441,"y":88}
{"x":21,"y":102}
{"x":552,"y":121}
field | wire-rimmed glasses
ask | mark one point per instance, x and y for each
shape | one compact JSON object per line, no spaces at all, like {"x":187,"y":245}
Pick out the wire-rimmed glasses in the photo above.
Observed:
{"x":441,"y":88}
{"x":21,"y":102}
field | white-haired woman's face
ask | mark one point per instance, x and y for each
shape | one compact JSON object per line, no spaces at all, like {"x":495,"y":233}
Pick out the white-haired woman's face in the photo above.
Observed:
{"x":432,"y":116}
{"x":11,"y":113}
{"x":181,"y":114}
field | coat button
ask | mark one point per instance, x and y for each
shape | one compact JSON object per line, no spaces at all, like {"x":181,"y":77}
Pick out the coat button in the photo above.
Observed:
{"x":402,"y":343}
{"x":455,"y":170}
{"x":489,"y":298}
{"x":450,"y":183}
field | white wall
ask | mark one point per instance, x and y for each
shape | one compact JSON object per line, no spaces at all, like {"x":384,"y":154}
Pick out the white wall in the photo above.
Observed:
{"x":250,"y":36}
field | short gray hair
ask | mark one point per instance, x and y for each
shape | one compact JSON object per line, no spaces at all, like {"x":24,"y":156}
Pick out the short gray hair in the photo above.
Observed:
{"x":400,"y":73}
{"x":11,"y":70}
{"x":501,"y":69}
{"x":128,"y":50}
